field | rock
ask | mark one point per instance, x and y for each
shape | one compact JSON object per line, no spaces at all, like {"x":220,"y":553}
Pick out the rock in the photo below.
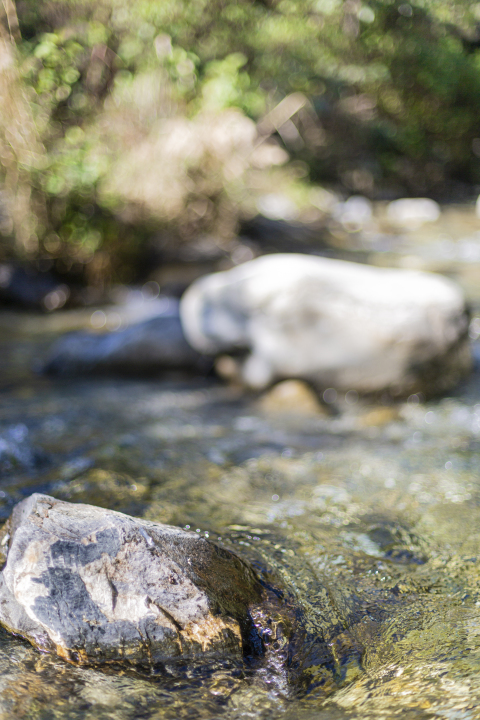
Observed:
{"x":97,"y":586}
{"x":292,"y":397}
{"x":354,"y":213}
{"x":332,"y":323}
{"x":29,"y":288}
{"x":17,"y":451}
{"x":277,"y":206}
{"x":413,"y":212}
{"x":145,"y":347}
{"x":378,"y":416}
{"x":281,"y":236}
{"x":229,"y":369}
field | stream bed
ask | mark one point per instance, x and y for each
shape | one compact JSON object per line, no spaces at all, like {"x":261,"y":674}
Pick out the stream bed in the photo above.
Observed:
{"x":367,"y":515}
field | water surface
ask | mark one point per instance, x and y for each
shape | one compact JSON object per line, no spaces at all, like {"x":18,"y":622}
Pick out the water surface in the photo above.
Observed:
{"x":367,"y":516}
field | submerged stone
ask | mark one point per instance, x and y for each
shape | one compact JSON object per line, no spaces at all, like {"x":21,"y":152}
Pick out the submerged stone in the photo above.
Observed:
{"x":291,"y":397}
{"x":98,"y":586}
{"x":149,"y":346}
{"x":26,"y":287}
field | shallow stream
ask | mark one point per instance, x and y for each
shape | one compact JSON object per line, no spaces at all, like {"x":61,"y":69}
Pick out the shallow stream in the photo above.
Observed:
{"x":367,"y":515}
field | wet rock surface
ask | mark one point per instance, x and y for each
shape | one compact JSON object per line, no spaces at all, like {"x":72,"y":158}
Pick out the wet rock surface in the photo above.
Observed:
{"x":332,"y":323}
{"x":95,"y":586}
{"x":25,"y":286}
{"x":150,"y":346}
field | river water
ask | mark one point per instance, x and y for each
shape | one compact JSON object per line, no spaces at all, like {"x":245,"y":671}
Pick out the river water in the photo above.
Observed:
{"x":367,"y":516}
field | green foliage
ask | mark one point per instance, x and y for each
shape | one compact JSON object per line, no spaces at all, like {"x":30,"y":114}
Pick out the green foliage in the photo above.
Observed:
{"x":395,"y":87}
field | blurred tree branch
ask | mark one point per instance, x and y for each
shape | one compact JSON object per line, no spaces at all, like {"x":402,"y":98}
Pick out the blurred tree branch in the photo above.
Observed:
{"x":20,"y":147}
{"x":12,"y":19}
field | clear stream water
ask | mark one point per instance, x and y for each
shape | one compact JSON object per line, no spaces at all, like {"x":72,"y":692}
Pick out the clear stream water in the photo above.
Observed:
{"x":367,"y":515}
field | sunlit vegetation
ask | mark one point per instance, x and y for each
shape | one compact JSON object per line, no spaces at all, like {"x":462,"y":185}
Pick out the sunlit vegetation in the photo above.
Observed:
{"x":119,"y":120}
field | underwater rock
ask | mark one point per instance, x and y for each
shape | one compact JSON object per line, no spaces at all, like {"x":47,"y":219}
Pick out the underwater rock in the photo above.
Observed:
{"x":95,"y":586}
{"x":30,"y":288}
{"x":17,"y":451}
{"x":332,"y":323}
{"x":144,"y":347}
{"x":291,"y":397}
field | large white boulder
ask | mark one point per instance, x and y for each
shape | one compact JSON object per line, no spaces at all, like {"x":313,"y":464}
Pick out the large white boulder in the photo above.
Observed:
{"x":333,"y":323}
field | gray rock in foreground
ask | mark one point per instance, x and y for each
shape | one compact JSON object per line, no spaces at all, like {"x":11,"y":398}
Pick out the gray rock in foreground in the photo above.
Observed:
{"x":95,"y":585}
{"x":332,"y":323}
